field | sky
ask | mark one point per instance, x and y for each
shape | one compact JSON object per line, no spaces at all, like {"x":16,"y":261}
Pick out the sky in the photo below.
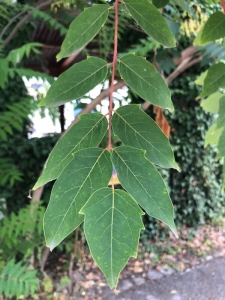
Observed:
{"x":45,"y":126}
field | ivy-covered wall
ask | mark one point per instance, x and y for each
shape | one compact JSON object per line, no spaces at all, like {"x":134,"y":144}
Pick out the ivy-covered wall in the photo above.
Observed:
{"x":197,"y":190}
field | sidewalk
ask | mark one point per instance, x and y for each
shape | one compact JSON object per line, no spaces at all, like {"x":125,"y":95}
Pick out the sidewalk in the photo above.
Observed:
{"x":205,"y":282}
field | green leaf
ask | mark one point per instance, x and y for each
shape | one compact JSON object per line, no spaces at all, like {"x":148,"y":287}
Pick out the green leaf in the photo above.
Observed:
{"x":87,"y":132}
{"x":223,"y":175}
{"x":112,"y":227}
{"x":200,"y":80}
{"x":83,"y":29}
{"x":135,"y":128}
{"x":214,"y":80}
{"x":221,"y":145}
{"x":182,"y":3}
{"x":221,"y":119}
{"x":76,"y":82}
{"x":150,"y":20}
{"x":213,"y":28}
{"x":90,"y":170}
{"x":160,"y":3}
{"x":212,"y":135}
{"x":211,"y":104}
{"x":144,"y":183}
{"x":145,"y":81}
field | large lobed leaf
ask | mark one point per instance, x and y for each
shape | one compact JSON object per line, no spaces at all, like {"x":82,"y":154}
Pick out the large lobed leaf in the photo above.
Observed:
{"x":151,"y":21}
{"x":76,"y":82}
{"x":112,"y":227}
{"x":135,"y":128}
{"x":83,"y":29}
{"x":144,"y":183}
{"x":87,"y":132}
{"x":89,"y":171}
{"x":143,"y":79}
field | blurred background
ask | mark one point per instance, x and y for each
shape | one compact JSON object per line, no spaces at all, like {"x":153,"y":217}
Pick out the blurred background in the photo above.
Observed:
{"x":31,"y":34}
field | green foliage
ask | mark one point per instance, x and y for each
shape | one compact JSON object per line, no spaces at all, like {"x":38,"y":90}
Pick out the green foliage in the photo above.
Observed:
{"x":212,"y":83}
{"x":211,"y":104}
{"x":92,"y":169}
{"x":8,"y":172}
{"x":9,"y":64}
{"x":48,"y":19}
{"x":21,"y":232}
{"x":19,"y":155}
{"x":213,"y":28}
{"x":144,"y":80}
{"x":17,"y":55}
{"x":16,"y":280}
{"x":13,"y":118}
{"x":196,"y":191}
{"x":85,"y":172}
{"x":214,"y":80}
{"x":105,"y":209}
{"x":150,"y":20}
{"x":27,"y":157}
{"x":125,"y":128}
{"x":160,"y":3}
{"x":89,"y":23}
{"x":137,"y":175}
{"x":88,"y":133}
{"x":76,"y":81}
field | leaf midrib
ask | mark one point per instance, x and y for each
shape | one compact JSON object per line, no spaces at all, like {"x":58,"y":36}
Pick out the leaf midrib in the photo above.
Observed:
{"x":209,"y":32}
{"x":142,"y":187}
{"x":84,"y":32}
{"x":160,"y":32}
{"x":147,"y":82}
{"x":218,"y":78}
{"x":136,"y":132}
{"x":78,"y":144}
{"x":82,"y":81}
{"x":78,"y":192}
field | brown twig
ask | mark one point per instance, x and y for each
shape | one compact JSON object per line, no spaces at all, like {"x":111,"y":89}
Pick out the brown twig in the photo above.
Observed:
{"x":23,"y":21}
{"x":184,"y":65}
{"x":116,"y":6}
{"x":96,"y":101}
{"x":72,"y":257}
{"x":10,"y":22}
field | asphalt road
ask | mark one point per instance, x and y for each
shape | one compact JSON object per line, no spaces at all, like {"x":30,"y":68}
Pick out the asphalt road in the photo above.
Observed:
{"x":205,"y":282}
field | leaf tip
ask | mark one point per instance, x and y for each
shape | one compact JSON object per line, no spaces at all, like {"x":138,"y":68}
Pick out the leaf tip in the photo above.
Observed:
{"x":176,"y":167}
{"x":36,"y":186}
{"x":171,"y":109}
{"x":59,"y":56}
{"x":174,"y":230}
{"x":51,"y":246}
{"x":42,"y":103}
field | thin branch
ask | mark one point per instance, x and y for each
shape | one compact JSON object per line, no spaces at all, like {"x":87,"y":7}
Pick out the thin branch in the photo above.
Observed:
{"x":116,"y":6}
{"x":23,"y":21}
{"x":97,"y":101}
{"x":185,"y":64}
{"x":10,"y":22}
{"x":223,"y":5}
